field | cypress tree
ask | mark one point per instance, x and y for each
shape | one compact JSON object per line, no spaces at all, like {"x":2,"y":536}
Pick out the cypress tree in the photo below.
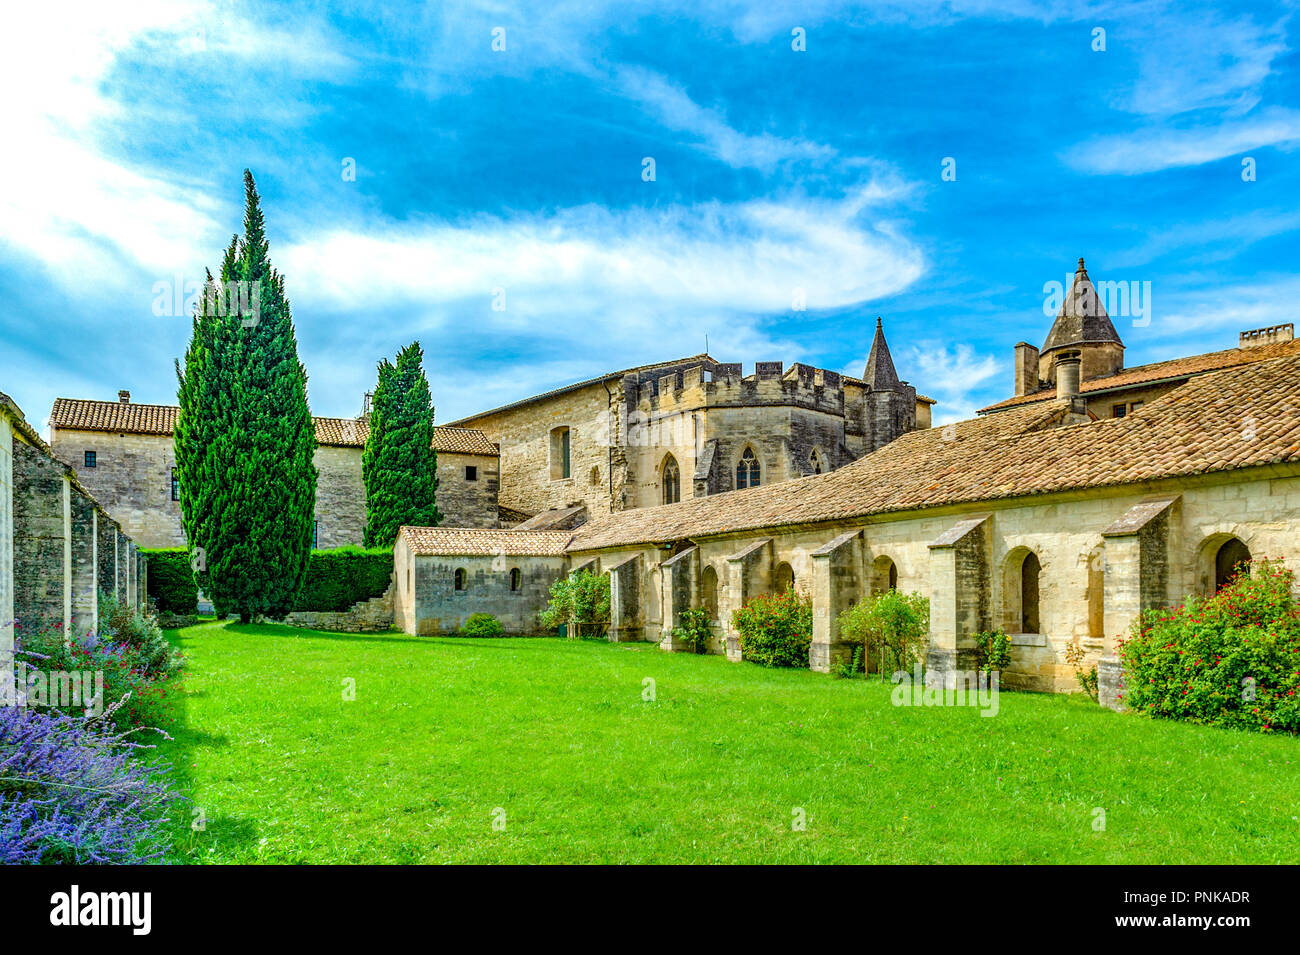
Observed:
{"x":399,"y":464}
{"x":245,"y":437}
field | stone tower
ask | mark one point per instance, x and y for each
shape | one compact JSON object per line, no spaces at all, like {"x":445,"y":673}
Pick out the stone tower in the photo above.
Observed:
{"x":1081,"y":326}
{"x":890,"y":403}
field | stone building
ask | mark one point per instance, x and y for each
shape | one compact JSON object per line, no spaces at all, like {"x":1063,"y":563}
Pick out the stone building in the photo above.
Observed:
{"x":59,"y":549}
{"x":123,"y":453}
{"x":691,"y":427}
{"x":1055,"y":518}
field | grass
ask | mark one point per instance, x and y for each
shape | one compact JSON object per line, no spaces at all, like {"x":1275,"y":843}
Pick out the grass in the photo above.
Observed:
{"x":446,"y":734}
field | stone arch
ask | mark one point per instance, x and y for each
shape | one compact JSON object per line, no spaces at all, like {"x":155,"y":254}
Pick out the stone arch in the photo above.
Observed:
{"x":884,"y":575}
{"x":709,"y":592}
{"x":749,"y":468}
{"x":516,"y":579}
{"x":783,"y":577}
{"x":1096,"y":596}
{"x":670,"y":479}
{"x":460,"y":579}
{"x":1022,"y":573}
{"x":817,"y":462}
{"x":1218,"y":555}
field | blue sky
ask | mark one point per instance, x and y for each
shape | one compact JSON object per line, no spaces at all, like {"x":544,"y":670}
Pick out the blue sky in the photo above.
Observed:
{"x":515,"y":176}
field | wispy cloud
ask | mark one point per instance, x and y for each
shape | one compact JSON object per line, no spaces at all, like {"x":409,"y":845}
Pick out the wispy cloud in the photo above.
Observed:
{"x":954,"y":375}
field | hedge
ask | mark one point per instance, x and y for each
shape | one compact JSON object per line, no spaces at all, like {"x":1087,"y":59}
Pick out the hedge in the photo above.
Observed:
{"x":170,"y":581}
{"x":342,"y":576}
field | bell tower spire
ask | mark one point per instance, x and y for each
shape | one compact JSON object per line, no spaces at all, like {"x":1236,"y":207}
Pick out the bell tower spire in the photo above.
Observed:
{"x":880,"y":374}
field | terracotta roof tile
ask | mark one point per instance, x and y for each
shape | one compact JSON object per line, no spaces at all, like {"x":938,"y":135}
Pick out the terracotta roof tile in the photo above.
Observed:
{"x":472,"y":541}
{"x":76,"y":414}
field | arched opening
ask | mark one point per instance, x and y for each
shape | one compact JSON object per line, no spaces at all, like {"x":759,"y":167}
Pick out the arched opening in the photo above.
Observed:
{"x":884,"y":576}
{"x":595,"y":477}
{"x":748,"y":473}
{"x":709,"y":592}
{"x":560,"y":458}
{"x":783,"y":579}
{"x":1030,"y":570}
{"x":516,"y":579}
{"x":1097,"y":595}
{"x":1228,"y":561}
{"x":672,"y":481}
{"x":815,"y":461}
{"x":459,"y":578}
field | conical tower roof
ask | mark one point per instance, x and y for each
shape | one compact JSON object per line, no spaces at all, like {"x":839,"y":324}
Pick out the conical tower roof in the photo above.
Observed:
{"x":1082,"y":317}
{"x":880,"y":373}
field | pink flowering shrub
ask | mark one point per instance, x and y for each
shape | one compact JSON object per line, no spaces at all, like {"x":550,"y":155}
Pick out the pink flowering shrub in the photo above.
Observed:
{"x":1232,"y":659}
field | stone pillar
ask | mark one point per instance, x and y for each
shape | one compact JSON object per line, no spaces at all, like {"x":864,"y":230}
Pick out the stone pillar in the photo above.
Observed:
{"x":837,"y":584}
{"x":960,"y":592}
{"x":7,"y":695}
{"x":141,"y":579}
{"x":82,"y":540}
{"x":1136,"y":578}
{"x":680,"y":588}
{"x":38,"y":536}
{"x":106,"y":553}
{"x":749,"y":572}
{"x":626,"y":614}
{"x":120,"y":557}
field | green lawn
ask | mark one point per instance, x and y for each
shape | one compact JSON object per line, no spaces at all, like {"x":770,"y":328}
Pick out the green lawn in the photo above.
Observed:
{"x":555,"y":733}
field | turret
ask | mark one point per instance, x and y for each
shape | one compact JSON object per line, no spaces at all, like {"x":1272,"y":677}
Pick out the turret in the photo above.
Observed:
{"x":890,"y":405}
{"x":1082,"y":326}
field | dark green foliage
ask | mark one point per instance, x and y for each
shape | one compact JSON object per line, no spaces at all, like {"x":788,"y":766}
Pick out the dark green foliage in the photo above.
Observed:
{"x":245,"y":436}
{"x":1232,"y":659}
{"x":339,"y":577}
{"x":580,"y":603}
{"x":775,"y":629}
{"x":481,"y":625}
{"x":693,"y":629}
{"x":399,"y":465}
{"x":171,"y":581}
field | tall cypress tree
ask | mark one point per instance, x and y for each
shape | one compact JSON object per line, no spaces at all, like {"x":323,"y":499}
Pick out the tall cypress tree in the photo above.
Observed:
{"x":399,"y":464}
{"x":245,"y":436}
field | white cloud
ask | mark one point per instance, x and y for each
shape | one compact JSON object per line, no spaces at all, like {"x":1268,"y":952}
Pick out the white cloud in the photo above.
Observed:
{"x":953,"y":376}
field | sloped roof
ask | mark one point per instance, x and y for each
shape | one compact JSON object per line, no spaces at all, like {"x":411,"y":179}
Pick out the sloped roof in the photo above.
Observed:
{"x":1195,"y":429}
{"x":1173,"y":370}
{"x":473,"y":541}
{"x":1082,"y":317}
{"x":76,"y":414}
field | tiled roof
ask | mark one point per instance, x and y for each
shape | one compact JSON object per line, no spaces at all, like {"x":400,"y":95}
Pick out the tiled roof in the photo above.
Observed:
{"x":472,"y":541}
{"x":1175,"y":369}
{"x":76,"y":414}
{"x":1239,"y":418}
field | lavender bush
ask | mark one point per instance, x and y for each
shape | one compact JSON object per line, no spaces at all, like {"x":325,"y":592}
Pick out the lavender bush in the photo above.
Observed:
{"x":73,"y":791}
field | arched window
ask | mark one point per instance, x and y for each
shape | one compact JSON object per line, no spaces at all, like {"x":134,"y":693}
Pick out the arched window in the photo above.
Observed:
{"x":672,"y":481}
{"x":516,"y":579}
{"x":747,"y":471}
{"x":560,"y":454}
{"x":884,"y":575}
{"x":815,"y":461}
{"x":595,"y":476}
{"x":1030,"y":570}
{"x":460,"y":578}
{"x":709,"y":592}
{"x":784,"y":578}
{"x":1227,"y":562}
{"x":1097,"y":594}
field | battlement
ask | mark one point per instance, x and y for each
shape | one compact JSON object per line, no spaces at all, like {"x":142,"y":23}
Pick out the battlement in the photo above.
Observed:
{"x":725,"y":385}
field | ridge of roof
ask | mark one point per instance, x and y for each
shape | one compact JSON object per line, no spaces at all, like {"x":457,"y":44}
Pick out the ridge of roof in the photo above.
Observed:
{"x":484,"y":542}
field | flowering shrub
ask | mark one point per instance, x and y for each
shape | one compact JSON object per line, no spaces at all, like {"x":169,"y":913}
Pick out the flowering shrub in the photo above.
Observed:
{"x":481,"y":625}
{"x":775,"y":629}
{"x":1228,"y":660}
{"x":893,"y":628}
{"x":149,"y":649}
{"x":71,"y":791}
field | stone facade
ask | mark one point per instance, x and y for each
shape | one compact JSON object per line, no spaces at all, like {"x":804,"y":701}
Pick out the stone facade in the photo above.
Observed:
{"x":366,"y":616}
{"x":467,"y":489}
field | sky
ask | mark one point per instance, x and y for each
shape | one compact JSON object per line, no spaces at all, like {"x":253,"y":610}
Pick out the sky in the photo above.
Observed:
{"x":541,"y":193}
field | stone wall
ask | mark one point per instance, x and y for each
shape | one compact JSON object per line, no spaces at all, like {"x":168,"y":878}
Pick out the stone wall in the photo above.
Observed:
{"x":340,"y":497}
{"x":468,"y":498}
{"x":366,"y":616}
{"x":437,"y":607}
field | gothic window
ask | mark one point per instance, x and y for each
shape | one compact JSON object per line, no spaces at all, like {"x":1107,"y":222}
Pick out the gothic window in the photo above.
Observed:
{"x":815,"y":461}
{"x":459,"y":579}
{"x":747,"y":470}
{"x":672,"y":481}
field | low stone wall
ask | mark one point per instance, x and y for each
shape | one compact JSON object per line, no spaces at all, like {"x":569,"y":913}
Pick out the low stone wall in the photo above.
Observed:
{"x":367,"y":616}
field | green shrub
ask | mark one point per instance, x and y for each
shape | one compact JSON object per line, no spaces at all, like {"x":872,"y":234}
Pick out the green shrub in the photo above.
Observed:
{"x":893,"y":628}
{"x":171,"y":581}
{"x":579,"y":602}
{"x":1232,"y":659}
{"x":149,"y":650}
{"x":775,"y":629}
{"x":342,"y":576}
{"x":481,"y":625}
{"x":992,"y":650}
{"x":694,"y":630}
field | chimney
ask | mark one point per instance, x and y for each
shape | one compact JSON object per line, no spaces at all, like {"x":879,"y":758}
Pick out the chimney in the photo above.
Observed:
{"x":1026,"y":369}
{"x":1067,"y":374}
{"x":1266,"y":336}
{"x":124,"y":397}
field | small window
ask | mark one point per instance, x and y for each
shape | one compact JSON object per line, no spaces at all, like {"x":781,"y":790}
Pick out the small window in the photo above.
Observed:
{"x":176,"y":483}
{"x":595,"y":477}
{"x":516,"y":579}
{"x":1135,"y":406}
{"x":1118,"y":411}
{"x":560,"y":454}
{"x":815,"y":460}
{"x":747,"y":470}
{"x":471,"y":472}
{"x":315,"y":534}
{"x":90,"y":459}
{"x":460,"y":578}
